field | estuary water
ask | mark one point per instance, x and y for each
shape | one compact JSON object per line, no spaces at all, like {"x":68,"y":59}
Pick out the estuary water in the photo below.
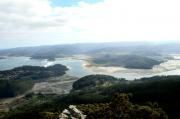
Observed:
{"x":75,"y":66}
{"x":78,"y":69}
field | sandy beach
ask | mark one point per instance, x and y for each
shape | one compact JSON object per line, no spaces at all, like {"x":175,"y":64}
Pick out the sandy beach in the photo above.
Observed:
{"x":169,"y":65}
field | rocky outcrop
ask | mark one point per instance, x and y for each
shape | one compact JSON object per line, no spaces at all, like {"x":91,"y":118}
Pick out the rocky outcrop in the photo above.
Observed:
{"x":72,"y":113}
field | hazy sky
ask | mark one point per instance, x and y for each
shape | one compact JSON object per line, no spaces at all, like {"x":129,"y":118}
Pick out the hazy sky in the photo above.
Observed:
{"x":46,"y":22}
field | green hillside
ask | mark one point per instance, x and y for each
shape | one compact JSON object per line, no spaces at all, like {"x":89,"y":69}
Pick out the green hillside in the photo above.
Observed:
{"x":21,"y":79}
{"x":149,"y":98}
{"x":127,"y":61}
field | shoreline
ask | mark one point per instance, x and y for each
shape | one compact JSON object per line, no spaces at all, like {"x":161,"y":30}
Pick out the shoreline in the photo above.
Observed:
{"x":170,"y":65}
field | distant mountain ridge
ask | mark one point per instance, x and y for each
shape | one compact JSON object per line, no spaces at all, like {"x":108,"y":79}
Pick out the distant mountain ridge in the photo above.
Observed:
{"x":51,"y":52}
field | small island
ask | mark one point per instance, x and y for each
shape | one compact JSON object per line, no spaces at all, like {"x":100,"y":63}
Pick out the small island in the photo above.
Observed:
{"x":33,"y":72}
{"x":49,"y":57}
{"x":127,"y":61}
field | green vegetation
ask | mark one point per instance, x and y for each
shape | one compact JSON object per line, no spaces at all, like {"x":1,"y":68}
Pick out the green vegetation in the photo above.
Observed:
{"x":154,"y":89}
{"x":120,"y":108}
{"x":50,"y":57}
{"x":92,"y":81}
{"x":94,"y":94}
{"x":21,"y":79}
{"x":33,"y":72}
{"x":127,"y":61}
{"x":97,"y":100}
{"x":11,"y":88}
{"x":161,"y":89}
{"x":38,"y":107}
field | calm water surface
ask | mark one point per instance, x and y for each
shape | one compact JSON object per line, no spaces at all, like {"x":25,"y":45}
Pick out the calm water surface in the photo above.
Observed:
{"x":75,"y":67}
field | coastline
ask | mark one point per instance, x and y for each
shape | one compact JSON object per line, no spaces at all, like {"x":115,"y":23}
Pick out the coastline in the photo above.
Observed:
{"x":83,"y":65}
{"x":170,"y":65}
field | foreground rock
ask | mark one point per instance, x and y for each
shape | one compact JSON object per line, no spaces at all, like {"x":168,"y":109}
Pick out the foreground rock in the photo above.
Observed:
{"x":72,"y":113}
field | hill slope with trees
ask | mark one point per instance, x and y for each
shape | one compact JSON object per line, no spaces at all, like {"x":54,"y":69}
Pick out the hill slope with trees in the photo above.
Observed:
{"x":149,"y":98}
{"x":21,"y":79}
{"x":127,"y":61}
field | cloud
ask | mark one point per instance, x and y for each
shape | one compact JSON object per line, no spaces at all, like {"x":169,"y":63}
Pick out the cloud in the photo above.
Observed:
{"x":27,"y":15}
{"x":130,"y":20}
{"x":108,"y":20}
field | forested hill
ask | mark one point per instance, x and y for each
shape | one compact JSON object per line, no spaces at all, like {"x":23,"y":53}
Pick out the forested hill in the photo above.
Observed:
{"x":91,"y":81}
{"x":127,"y":61}
{"x":102,"y":96}
{"x":163,"y":90}
{"x":33,"y":72}
{"x":21,"y":79}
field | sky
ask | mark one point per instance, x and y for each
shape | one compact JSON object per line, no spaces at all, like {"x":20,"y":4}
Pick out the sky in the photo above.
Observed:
{"x":48,"y":22}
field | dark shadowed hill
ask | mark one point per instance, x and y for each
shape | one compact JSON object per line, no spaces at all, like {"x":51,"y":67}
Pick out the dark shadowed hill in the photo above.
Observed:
{"x":21,"y":79}
{"x":97,"y":100}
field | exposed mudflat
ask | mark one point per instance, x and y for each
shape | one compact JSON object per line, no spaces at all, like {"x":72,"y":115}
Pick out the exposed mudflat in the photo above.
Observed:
{"x":81,"y":65}
{"x":54,"y":85}
{"x":57,"y":85}
{"x":170,"y":67}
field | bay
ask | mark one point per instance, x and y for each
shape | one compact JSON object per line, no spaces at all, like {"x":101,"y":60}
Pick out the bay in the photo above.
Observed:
{"x":77,"y":68}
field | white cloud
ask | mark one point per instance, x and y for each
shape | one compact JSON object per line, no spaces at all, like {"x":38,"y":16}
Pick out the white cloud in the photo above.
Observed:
{"x":110,"y":20}
{"x":26,"y":15}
